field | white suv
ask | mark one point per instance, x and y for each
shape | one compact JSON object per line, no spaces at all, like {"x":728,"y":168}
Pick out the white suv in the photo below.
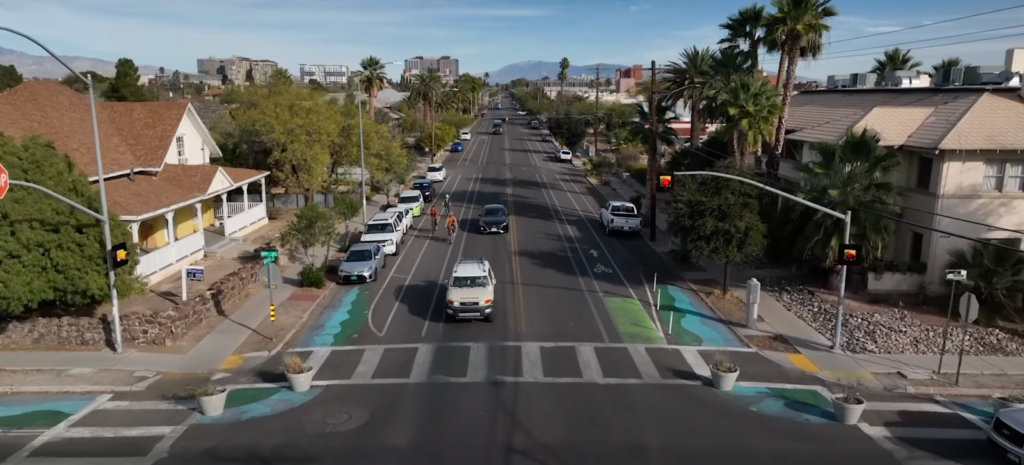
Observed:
{"x":470,"y":292}
{"x":384,"y":229}
{"x":465,"y":135}
{"x":564,"y":155}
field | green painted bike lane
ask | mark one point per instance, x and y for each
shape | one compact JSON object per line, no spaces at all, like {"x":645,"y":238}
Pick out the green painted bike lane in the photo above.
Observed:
{"x":342,"y":319}
{"x":692,"y":322}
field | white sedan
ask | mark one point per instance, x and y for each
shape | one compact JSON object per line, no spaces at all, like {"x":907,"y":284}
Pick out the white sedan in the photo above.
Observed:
{"x":564,"y":155}
{"x":465,"y":135}
{"x":520,"y":112}
{"x":436,"y":172}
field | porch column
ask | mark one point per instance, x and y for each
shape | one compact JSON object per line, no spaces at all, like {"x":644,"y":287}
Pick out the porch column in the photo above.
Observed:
{"x":134,"y":228}
{"x":224,"y":207}
{"x":199,"y":216}
{"x":245,"y":196}
{"x":263,"y":191}
{"x":169,"y":216}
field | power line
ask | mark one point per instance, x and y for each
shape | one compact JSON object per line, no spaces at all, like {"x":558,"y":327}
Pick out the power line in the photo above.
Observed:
{"x":918,"y":48}
{"x":927,"y":25}
{"x":927,"y":40}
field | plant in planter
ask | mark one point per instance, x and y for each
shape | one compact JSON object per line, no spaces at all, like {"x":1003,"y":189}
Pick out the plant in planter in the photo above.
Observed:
{"x":724,"y":374}
{"x":299,"y":375}
{"x":211,"y":399}
{"x":847,"y":407}
{"x":1011,"y":400}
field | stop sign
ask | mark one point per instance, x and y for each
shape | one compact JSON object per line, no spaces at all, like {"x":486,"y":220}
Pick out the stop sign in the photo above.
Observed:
{"x":4,"y":184}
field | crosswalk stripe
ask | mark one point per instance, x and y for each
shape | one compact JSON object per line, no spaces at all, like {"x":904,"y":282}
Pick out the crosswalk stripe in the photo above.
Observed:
{"x":367,"y":365}
{"x":696,"y":362}
{"x":514,"y":344}
{"x":116,"y":431}
{"x":589,"y":365}
{"x":907,"y":406}
{"x":316,"y":360}
{"x":643,"y":363}
{"x":477,"y":370}
{"x":146,"y":405}
{"x":421,"y":364}
{"x":57,"y":430}
{"x":533,"y":368}
{"x":921,"y":433}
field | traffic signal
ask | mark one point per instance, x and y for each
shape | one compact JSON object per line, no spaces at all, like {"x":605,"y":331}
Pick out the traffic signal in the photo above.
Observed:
{"x":850,"y":255}
{"x":665,"y":181}
{"x":119,"y":253}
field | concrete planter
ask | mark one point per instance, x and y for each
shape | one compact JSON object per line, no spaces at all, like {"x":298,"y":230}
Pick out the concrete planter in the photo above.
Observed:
{"x":300,"y":382}
{"x":212,"y":406}
{"x":723,"y":380}
{"x":1001,"y":401}
{"x":848,"y":408}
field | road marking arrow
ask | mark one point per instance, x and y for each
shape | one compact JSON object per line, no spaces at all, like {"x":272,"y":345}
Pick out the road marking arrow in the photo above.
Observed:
{"x":593,"y":252}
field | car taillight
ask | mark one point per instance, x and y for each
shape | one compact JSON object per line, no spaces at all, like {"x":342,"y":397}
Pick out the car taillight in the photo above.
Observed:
{"x":451,"y":302}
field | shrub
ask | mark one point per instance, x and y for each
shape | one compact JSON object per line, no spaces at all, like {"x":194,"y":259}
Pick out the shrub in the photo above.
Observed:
{"x":638,"y":171}
{"x":312,"y":276}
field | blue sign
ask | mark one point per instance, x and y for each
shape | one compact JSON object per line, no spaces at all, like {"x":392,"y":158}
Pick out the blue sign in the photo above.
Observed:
{"x":194,"y":273}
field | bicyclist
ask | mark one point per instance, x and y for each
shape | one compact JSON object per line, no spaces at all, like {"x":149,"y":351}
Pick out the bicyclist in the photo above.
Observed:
{"x":434,"y":215}
{"x":452,"y":223}
{"x":447,"y":203}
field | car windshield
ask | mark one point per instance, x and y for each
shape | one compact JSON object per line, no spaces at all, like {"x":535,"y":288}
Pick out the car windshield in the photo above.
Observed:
{"x":362,"y":255}
{"x":379,"y":228}
{"x":565,"y":152}
{"x":465,"y":133}
{"x":469,"y":281}
{"x":494,"y":212}
{"x":409,"y":199}
{"x":421,"y":186}
{"x":434,"y":169}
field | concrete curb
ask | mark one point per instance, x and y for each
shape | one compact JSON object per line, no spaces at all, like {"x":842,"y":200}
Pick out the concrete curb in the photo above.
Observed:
{"x":309,"y":311}
{"x":951,"y":391}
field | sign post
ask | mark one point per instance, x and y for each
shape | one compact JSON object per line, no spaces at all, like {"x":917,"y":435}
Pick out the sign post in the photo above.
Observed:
{"x":953,"y":276}
{"x":753,"y":298}
{"x":269,"y":257}
{"x":5,"y":177}
{"x":968,"y":313}
{"x":189,"y":273}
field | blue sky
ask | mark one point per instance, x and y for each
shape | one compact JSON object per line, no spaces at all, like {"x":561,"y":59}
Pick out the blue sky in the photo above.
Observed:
{"x":483,"y":34}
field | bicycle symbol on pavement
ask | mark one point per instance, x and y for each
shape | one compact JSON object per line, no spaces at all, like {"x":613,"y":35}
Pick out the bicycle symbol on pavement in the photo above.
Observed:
{"x":602,"y":269}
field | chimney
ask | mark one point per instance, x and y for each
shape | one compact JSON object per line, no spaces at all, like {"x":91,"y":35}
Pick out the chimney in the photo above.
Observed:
{"x":131,"y":174}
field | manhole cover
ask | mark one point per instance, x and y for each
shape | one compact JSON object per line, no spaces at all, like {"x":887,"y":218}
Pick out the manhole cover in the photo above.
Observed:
{"x":343,"y":420}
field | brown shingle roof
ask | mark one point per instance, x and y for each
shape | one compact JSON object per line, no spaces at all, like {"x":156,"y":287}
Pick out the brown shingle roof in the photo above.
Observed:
{"x":828,"y":114}
{"x":146,"y":194}
{"x":132,"y":135}
{"x":238,"y":175}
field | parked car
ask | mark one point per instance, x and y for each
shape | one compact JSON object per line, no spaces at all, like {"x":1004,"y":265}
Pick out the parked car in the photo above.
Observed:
{"x":436,"y":172}
{"x":412,"y":200}
{"x":456,"y":147}
{"x":426,"y":187}
{"x":362,"y":263}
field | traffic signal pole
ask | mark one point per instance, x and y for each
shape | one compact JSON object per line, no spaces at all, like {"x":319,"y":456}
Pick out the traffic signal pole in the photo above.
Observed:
{"x":837,"y":339}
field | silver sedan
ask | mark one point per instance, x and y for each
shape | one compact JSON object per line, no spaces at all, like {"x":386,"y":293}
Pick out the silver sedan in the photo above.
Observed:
{"x":362,"y":263}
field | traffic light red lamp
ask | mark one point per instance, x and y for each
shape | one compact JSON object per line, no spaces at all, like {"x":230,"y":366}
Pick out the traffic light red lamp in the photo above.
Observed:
{"x":850,"y":255}
{"x":665,"y":181}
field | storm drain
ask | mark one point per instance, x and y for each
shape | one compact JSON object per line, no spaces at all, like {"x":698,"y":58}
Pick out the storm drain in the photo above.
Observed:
{"x":335,"y":422}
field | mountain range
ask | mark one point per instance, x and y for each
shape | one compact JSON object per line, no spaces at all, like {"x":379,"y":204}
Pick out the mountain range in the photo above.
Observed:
{"x":534,"y":69}
{"x":46,"y":67}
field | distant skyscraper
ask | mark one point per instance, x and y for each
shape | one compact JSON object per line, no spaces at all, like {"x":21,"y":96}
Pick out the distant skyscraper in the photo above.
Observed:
{"x":446,"y":65}
{"x":325,"y":74}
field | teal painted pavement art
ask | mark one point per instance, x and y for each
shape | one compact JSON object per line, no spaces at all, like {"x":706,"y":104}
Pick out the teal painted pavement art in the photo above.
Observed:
{"x":343,"y":318}
{"x":39,"y":411}
{"x":248,"y":403}
{"x":693,"y":322}
{"x":806,"y":405}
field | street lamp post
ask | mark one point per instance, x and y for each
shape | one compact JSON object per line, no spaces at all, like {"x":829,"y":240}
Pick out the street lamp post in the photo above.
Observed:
{"x":362,"y":155}
{"x":837,"y":337}
{"x":103,"y":191}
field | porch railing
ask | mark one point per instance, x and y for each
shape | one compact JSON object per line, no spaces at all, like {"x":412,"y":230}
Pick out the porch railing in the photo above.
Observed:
{"x":238,"y":222}
{"x":234,"y":208}
{"x":169,"y":254}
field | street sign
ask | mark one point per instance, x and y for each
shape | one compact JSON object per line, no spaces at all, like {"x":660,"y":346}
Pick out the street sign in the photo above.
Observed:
{"x":968,"y":308}
{"x":4,"y":185}
{"x":194,"y":273}
{"x":269,"y":255}
{"x":956,"y":275}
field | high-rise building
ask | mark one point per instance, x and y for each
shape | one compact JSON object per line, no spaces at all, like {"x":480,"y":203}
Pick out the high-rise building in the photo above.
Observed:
{"x":446,"y":65}
{"x":325,"y":74}
{"x":237,"y":69}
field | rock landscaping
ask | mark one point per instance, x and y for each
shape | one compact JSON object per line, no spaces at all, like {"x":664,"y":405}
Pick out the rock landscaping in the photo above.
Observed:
{"x":894,"y":331}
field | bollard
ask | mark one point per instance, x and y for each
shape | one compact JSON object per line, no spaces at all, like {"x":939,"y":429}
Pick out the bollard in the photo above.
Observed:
{"x":753,"y":297}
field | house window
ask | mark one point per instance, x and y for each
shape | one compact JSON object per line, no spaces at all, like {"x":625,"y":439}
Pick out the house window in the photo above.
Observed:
{"x":1004,"y":176}
{"x":916,"y":247}
{"x":924,"y":173}
{"x":179,"y":143}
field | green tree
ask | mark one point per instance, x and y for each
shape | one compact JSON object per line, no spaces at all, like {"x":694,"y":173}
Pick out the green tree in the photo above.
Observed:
{"x":852,"y":175}
{"x":949,"y":62}
{"x":563,"y":73}
{"x":372,"y":78}
{"x":344,"y":209}
{"x":745,"y":30}
{"x":313,"y":227}
{"x":717,"y":219}
{"x":427,"y":90}
{"x":599,"y":167}
{"x":457,"y":121}
{"x":569,"y":129}
{"x":688,"y":80}
{"x":439,"y":137}
{"x":316,"y":85}
{"x":751,"y":106}
{"x":995,"y":275}
{"x":281,"y":77}
{"x":76,"y":82}
{"x":893,"y":59}
{"x":51,"y":253}
{"x":125,"y":87}
{"x":9,"y":77}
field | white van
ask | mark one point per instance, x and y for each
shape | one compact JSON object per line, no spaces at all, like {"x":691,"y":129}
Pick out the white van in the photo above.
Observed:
{"x":385,"y":229}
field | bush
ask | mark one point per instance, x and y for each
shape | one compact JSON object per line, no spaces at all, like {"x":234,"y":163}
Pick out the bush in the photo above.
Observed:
{"x":312,"y":276}
{"x":638,"y":171}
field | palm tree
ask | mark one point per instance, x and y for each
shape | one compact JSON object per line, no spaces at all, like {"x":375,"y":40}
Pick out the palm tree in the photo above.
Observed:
{"x":487,"y":77}
{"x":894,"y":59}
{"x":687,"y":80}
{"x":995,"y":274}
{"x":800,"y":27}
{"x":427,"y":90}
{"x":372,"y":78}
{"x":946,"y":63}
{"x":850,"y":175}
{"x":745,"y":30}
{"x":751,"y":105}
{"x":563,"y":73}
{"x":641,"y":129}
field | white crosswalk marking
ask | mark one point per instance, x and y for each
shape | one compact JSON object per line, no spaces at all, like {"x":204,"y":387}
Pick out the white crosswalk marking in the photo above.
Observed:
{"x":589,"y":365}
{"x":477,"y":370}
{"x":643,"y":362}
{"x":371,"y":357}
{"x":533,"y":368}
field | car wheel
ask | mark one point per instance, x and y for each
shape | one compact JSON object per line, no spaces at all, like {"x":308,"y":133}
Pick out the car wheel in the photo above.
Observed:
{"x":384,"y":262}
{"x":398,"y":250}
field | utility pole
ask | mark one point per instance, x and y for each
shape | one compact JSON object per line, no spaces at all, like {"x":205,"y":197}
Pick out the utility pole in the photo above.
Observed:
{"x":597,"y":101}
{"x":652,"y":157}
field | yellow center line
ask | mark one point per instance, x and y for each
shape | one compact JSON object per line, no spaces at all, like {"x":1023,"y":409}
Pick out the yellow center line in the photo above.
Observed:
{"x":520,"y":313}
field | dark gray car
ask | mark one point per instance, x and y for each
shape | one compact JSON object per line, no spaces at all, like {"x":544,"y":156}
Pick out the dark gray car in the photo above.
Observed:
{"x":494,"y":219}
{"x":362,"y":263}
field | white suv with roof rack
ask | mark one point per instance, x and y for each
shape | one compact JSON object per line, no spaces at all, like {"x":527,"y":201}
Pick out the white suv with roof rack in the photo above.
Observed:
{"x":385,"y":229}
{"x":470,"y":292}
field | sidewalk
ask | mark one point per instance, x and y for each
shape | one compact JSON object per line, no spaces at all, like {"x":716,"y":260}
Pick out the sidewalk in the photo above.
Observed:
{"x":208,"y":355}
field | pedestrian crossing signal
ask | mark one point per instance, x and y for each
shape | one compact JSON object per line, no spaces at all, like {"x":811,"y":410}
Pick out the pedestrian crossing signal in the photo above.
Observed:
{"x":666,"y":181}
{"x":119,"y":253}
{"x":850,"y":255}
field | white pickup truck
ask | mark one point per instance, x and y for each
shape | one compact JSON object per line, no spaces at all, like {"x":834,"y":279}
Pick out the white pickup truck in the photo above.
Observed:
{"x":620,"y":216}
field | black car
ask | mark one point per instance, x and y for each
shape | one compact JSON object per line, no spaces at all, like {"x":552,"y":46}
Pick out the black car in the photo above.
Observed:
{"x":494,"y":219}
{"x":426,"y":187}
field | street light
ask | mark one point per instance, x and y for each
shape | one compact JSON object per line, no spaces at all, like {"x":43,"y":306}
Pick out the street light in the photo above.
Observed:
{"x":99,"y":172}
{"x":362,"y":155}
{"x":837,"y":337}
